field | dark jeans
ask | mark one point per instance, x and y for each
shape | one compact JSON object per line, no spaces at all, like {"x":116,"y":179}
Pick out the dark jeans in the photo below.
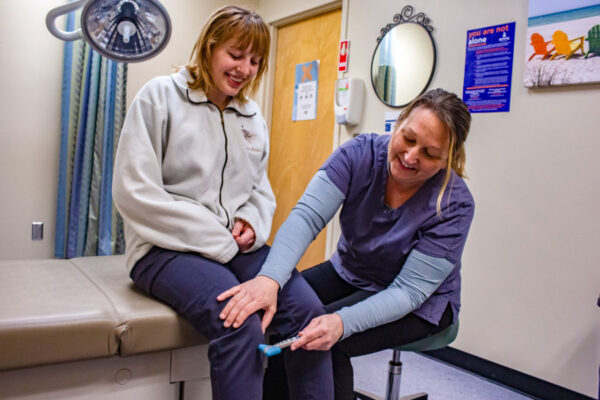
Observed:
{"x":190,"y":284}
{"x":336,"y":293}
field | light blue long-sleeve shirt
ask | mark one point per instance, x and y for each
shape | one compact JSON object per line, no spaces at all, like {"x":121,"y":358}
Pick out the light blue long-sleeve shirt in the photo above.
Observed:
{"x":418,"y":279}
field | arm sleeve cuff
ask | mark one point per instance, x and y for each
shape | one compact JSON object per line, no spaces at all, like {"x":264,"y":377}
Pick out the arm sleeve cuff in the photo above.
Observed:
{"x":420,"y":276}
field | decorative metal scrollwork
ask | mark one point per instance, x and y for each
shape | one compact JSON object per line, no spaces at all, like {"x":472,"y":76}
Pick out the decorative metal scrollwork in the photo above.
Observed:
{"x":406,"y":15}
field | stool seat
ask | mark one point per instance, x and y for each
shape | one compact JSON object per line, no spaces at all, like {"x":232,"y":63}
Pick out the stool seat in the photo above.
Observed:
{"x":432,"y":342}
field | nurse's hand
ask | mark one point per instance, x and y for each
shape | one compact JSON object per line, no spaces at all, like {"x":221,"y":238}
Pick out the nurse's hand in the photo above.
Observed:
{"x":259,"y":293}
{"x":321,"y":333}
{"x":243,"y":234}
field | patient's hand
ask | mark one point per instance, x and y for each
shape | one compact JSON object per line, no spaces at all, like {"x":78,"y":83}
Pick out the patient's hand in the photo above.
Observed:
{"x":321,"y":333}
{"x":243,"y":234}
{"x":256,"y":294}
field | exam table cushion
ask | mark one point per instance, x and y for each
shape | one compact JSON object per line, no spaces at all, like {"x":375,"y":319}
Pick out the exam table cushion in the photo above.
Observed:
{"x":64,"y":310}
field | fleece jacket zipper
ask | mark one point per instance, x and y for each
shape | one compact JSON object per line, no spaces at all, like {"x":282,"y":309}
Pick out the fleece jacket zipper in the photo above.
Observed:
{"x":223,"y":170}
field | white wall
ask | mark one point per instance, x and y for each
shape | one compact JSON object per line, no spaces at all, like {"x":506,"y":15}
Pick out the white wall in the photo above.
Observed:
{"x":30,"y":110}
{"x":530,"y":270}
{"x":276,"y":11}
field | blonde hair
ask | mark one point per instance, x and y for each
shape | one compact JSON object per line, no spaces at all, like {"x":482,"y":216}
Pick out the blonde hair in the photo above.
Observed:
{"x":230,"y":22}
{"x":453,"y":113}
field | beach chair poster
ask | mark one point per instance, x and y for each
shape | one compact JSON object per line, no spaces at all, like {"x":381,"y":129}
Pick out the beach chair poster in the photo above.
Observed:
{"x":563,"y":43}
{"x":488,"y":68}
{"x":306,"y":91}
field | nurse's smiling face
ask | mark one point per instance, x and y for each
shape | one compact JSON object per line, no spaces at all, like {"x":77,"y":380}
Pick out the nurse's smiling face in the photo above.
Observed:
{"x":418,"y":149}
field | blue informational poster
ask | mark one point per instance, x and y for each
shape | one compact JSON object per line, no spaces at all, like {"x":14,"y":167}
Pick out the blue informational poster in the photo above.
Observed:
{"x":305,"y":91}
{"x":488,"y":68}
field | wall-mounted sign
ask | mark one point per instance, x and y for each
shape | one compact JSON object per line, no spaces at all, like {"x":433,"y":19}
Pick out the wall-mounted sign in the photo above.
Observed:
{"x":488,"y":68}
{"x":305,"y":91}
{"x":343,"y":62}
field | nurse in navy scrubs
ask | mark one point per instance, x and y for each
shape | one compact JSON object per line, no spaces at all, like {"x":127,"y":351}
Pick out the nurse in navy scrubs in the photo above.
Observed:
{"x":406,"y":213}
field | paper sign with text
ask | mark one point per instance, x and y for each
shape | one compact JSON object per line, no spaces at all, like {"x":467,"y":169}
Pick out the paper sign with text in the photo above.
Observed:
{"x":488,"y":68}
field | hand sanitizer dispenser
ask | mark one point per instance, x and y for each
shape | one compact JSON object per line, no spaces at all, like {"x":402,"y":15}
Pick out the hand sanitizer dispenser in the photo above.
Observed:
{"x":348,"y":100}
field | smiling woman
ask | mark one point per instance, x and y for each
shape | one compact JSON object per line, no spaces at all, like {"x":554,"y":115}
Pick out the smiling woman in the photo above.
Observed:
{"x":443,"y":111}
{"x":231,"y":69}
{"x":238,"y":35}
{"x":197,"y":205}
{"x":418,"y":150}
{"x":395,"y":277}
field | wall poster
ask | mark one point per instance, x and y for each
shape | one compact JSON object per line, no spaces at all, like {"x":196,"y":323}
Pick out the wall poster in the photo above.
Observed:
{"x":305,"y":91}
{"x":488,"y":68}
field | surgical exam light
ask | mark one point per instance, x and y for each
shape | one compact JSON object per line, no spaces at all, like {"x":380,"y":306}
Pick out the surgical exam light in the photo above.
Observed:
{"x":122,"y":30}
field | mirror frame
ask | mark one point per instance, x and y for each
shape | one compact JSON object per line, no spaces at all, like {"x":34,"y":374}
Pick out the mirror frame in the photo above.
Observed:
{"x":406,"y":15}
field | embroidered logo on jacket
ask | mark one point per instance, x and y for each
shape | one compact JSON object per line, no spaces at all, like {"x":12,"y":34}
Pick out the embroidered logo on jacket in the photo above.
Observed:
{"x":250,"y":139}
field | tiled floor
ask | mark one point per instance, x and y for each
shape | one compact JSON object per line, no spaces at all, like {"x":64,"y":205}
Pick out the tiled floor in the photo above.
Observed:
{"x":422,"y":374}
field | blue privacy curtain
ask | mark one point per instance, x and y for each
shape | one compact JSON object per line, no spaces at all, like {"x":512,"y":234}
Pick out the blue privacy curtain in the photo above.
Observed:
{"x":93,"y":107}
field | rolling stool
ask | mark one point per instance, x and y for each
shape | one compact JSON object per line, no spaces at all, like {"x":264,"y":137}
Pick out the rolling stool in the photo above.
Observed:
{"x":433,"y":342}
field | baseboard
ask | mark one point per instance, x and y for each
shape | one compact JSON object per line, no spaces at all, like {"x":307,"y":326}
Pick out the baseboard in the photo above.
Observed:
{"x":521,"y":382}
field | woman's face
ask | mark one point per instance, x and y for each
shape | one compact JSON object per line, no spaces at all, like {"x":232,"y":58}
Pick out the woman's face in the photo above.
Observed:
{"x":231,"y":69}
{"x":418,"y":149}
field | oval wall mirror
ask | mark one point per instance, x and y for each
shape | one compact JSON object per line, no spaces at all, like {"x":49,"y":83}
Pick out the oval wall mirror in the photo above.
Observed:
{"x":404,"y":59}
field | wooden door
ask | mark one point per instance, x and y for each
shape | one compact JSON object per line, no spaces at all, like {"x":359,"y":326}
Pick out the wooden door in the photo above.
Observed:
{"x":299,"y":148}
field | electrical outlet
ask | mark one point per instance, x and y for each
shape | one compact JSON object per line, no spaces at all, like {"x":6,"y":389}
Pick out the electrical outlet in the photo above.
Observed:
{"x":37,"y":230}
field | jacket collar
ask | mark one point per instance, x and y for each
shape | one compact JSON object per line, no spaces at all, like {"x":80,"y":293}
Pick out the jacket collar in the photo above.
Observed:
{"x":197,"y":96}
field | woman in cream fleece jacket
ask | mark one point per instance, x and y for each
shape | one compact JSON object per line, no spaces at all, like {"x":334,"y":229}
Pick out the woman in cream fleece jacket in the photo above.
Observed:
{"x":191,"y":186}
